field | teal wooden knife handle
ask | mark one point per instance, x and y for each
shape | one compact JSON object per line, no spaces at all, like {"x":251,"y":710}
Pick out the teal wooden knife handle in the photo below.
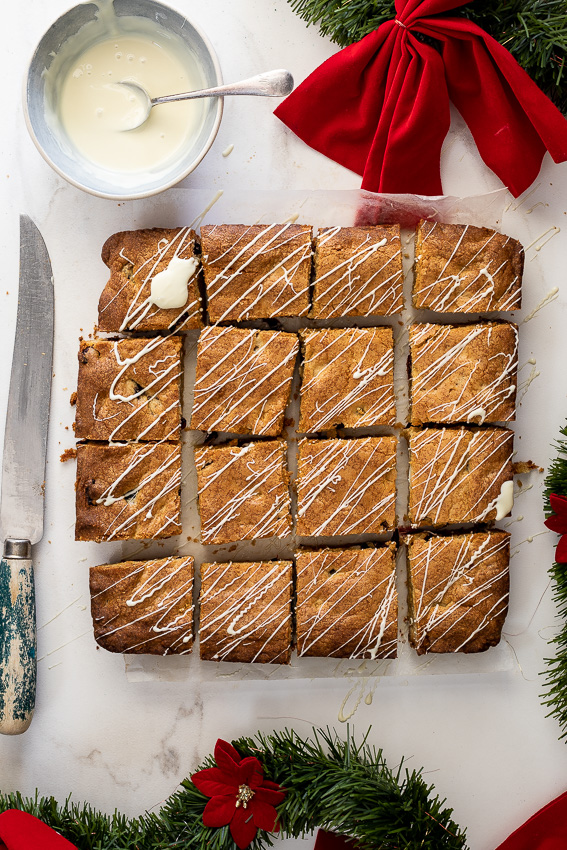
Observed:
{"x":17,"y":645}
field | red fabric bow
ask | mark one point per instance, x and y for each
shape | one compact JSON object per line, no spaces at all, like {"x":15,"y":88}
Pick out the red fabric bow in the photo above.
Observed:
{"x":240,"y":796}
{"x":558,"y":523}
{"x":381,"y":106}
{"x":21,"y":831}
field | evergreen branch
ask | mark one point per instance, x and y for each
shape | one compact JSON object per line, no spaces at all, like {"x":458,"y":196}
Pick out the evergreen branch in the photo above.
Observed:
{"x":555,"y":695}
{"x":343,"y":786}
{"x":534,"y":31}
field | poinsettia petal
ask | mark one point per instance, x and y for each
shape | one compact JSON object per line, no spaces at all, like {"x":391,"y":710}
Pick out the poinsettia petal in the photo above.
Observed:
{"x":267,"y":795}
{"x":251,"y":772}
{"x":558,"y":503}
{"x":556,"y":523}
{"x":227,"y":757}
{"x":265,"y":816}
{"x":242,"y":828}
{"x":561,"y":551}
{"x":213,"y":782}
{"x":219,"y":811}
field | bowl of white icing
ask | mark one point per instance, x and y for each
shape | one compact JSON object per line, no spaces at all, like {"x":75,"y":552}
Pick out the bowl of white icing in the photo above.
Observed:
{"x":76,"y":109}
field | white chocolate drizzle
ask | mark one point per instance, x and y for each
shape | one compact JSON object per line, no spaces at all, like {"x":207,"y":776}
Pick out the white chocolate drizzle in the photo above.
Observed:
{"x":169,"y":289}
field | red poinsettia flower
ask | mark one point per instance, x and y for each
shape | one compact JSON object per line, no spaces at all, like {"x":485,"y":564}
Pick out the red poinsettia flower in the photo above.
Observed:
{"x":558,"y":523}
{"x":240,"y":796}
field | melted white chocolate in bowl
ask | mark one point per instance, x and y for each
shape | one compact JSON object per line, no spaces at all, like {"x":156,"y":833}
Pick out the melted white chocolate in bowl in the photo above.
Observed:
{"x":95,"y":111}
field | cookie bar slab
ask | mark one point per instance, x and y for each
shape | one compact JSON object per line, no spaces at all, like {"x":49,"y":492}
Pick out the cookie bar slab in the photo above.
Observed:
{"x":243,"y":380}
{"x":358,"y":272}
{"x":347,"y":603}
{"x":129,"y":389}
{"x":246,"y":612}
{"x":465,"y":269}
{"x":256,"y":271}
{"x":346,"y":486}
{"x":243,"y":491}
{"x":143,"y":607}
{"x":458,"y":590}
{"x":128,"y":491}
{"x":135,"y":258}
{"x":348,"y":378}
{"x":459,"y":474}
{"x":463,"y":373}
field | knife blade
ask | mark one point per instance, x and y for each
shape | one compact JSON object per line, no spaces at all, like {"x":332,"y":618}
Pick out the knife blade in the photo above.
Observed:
{"x":23,"y":479}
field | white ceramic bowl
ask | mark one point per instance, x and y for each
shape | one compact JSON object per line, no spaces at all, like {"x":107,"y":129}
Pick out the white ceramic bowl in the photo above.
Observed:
{"x":49,"y":138}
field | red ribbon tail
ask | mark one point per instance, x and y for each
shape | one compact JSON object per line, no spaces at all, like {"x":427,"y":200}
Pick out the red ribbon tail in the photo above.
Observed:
{"x":333,"y":841}
{"x":22,"y":831}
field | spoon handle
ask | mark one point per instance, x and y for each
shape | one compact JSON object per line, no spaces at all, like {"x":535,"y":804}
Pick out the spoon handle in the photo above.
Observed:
{"x":269,"y":84}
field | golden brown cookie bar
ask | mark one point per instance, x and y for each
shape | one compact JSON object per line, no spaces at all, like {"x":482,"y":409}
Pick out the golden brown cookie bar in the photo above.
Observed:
{"x":143,"y":606}
{"x":243,"y":491}
{"x":246,"y":612}
{"x":460,"y":475}
{"x":358,"y":272}
{"x":134,"y":258}
{"x":465,"y":269}
{"x":129,"y":389}
{"x":256,"y":271}
{"x":347,"y":605}
{"x":463,"y":373}
{"x":128,"y":491}
{"x":346,"y":486}
{"x":458,"y":590}
{"x":348,"y":378}
{"x":243,"y":380}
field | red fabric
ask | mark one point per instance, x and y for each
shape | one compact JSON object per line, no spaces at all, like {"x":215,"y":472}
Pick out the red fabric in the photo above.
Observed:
{"x":546,"y":830}
{"x":21,"y":831}
{"x":381,"y":106}
{"x":332,"y":841}
{"x":558,"y":522}
{"x":222,"y":783}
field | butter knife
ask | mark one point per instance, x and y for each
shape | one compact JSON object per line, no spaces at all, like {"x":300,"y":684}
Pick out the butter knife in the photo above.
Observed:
{"x":23,"y":479}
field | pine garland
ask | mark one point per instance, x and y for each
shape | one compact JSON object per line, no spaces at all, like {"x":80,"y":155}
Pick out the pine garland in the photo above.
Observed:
{"x":555,"y":696}
{"x":534,"y":31}
{"x":339,"y":785}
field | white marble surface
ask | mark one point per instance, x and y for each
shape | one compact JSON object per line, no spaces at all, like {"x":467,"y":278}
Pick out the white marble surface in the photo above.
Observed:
{"x":483,"y":739}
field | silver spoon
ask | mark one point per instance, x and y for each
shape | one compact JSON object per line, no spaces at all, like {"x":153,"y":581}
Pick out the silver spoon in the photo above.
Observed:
{"x":269,"y":84}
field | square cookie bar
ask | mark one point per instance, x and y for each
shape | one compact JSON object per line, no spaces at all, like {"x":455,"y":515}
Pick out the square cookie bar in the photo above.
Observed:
{"x":346,"y":486}
{"x":243,"y":491}
{"x":129,"y":389}
{"x":348,"y":378}
{"x":144,"y":606}
{"x":246,"y":612}
{"x":358,"y":272}
{"x":460,"y":475}
{"x":458,"y":590}
{"x":463,"y":373}
{"x":256,"y":271}
{"x":347,"y":605}
{"x":128,"y":491}
{"x":465,"y":269}
{"x":135,"y":259}
{"x":243,"y":380}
